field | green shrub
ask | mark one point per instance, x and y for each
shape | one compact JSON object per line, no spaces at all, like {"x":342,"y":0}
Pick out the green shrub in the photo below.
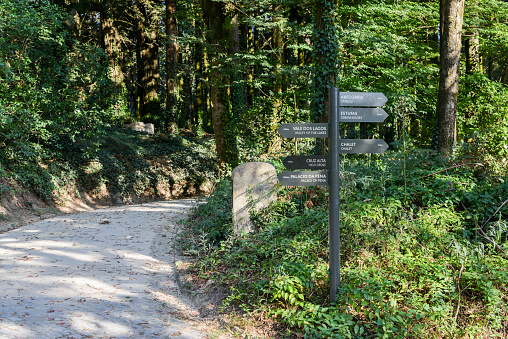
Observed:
{"x":412,"y":263}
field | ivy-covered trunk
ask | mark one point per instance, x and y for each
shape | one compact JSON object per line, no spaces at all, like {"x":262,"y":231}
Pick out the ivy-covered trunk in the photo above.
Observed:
{"x":112,"y":44}
{"x":326,"y":60}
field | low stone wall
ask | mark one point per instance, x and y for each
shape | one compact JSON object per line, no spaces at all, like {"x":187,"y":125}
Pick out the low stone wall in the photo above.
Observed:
{"x":141,"y":127}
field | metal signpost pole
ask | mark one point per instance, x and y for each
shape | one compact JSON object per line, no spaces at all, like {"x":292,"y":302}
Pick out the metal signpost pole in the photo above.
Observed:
{"x":334,"y":183}
{"x":368,"y":111}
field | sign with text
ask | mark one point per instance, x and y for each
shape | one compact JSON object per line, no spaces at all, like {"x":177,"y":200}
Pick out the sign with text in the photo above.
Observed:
{"x":355,"y":114}
{"x":303,"y":178}
{"x":303,"y":130}
{"x":344,"y":107}
{"x":306,"y":162}
{"x":362,"y":99}
{"x":356,"y":146}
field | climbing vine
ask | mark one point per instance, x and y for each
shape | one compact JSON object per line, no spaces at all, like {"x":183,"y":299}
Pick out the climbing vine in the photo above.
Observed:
{"x":326,"y":56}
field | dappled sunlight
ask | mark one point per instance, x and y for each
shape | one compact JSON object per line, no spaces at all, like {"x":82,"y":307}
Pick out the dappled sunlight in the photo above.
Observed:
{"x":134,"y":256}
{"x":12,"y":330}
{"x":8,"y":240}
{"x":93,"y":323}
{"x":92,"y":274}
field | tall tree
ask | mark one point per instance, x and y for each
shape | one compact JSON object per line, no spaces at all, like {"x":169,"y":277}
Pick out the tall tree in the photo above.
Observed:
{"x":325,"y":61}
{"x":112,"y":40}
{"x":148,"y":60}
{"x":171,"y":61}
{"x":215,"y":18}
{"x":451,"y":14}
{"x":472,"y":44}
{"x":237,"y":99}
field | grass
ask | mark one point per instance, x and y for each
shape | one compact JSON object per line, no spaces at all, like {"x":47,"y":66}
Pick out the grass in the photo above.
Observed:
{"x":423,"y":255}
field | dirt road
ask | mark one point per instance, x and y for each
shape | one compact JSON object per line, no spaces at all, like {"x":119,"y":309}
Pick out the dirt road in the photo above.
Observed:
{"x":107,"y":273}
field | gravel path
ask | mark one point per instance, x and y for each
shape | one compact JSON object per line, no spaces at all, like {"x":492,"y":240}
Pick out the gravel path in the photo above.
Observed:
{"x":107,"y":273}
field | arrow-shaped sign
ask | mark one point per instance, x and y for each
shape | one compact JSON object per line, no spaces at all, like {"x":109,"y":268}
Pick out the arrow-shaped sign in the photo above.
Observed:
{"x":306,"y":162}
{"x":355,"y":114}
{"x":350,"y":146}
{"x":362,"y":99}
{"x":303,"y":130}
{"x":303,"y":178}
{"x":357,"y":146}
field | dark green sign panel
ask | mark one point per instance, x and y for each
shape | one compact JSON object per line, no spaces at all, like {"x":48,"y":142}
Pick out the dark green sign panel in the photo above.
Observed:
{"x":362,"y":99}
{"x":356,"y":146}
{"x":355,"y":114}
{"x":303,"y":178}
{"x":306,"y":162}
{"x":303,"y":130}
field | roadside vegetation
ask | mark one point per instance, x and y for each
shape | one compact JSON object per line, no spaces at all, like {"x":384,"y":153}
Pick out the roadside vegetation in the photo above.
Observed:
{"x":424,"y":244}
{"x":119,"y":166}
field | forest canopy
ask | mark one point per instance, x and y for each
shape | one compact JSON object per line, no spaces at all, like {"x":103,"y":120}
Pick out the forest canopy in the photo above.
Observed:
{"x":238,"y":69}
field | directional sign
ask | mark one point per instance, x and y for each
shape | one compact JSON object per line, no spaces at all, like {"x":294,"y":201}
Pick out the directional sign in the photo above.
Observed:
{"x":304,"y":130}
{"x":362,"y":99}
{"x":362,"y":114}
{"x":362,"y":146}
{"x":306,"y":162}
{"x":303,"y":178}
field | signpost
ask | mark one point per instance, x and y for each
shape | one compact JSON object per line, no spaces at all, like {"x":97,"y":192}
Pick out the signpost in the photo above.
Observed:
{"x":357,"y":146}
{"x":304,"y":130}
{"x":356,"y":114}
{"x":303,"y":178}
{"x":306,"y":162}
{"x":344,"y":107}
{"x":361,"y":99}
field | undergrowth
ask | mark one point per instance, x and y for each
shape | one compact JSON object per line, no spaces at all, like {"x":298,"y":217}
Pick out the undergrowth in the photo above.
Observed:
{"x":122,"y":163}
{"x":424,"y":246}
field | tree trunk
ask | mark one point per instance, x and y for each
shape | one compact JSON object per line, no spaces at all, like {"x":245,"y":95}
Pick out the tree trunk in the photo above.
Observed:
{"x":171,"y":63}
{"x":140,"y":90}
{"x":473,"y":60}
{"x":321,"y":95}
{"x":237,"y":99}
{"x":251,"y":70}
{"x":278,"y":55}
{"x":452,"y":12}
{"x":325,"y":62}
{"x":112,"y":46}
{"x":149,"y":61}
{"x":214,"y":17}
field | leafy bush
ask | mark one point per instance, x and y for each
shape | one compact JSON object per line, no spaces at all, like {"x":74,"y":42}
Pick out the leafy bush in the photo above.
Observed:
{"x":51,"y":88}
{"x":414,"y":262}
{"x":484,"y":115}
{"x":214,"y":218}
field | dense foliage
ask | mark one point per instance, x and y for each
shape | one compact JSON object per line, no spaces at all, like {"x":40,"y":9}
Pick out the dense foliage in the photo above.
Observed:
{"x":122,"y":167}
{"x":423,"y":250}
{"x":50,"y":84}
{"x":75,"y":67}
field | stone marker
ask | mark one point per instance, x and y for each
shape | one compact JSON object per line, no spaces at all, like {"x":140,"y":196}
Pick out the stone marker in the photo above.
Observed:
{"x":149,"y":128}
{"x":141,"y":127}
{"x":253,"y":184}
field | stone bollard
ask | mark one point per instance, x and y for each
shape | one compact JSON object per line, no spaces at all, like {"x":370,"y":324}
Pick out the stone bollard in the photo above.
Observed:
{"x":253,"y":184}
